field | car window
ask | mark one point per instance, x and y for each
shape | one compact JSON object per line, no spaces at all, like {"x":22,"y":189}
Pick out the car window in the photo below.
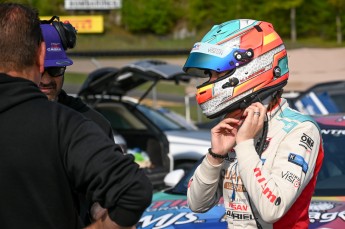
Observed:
{"x":181,"y":120}
{"x":323,"y":98}
{"x":331,"y":179}
{"x":120,"y":117}
{"x":163,"y":122}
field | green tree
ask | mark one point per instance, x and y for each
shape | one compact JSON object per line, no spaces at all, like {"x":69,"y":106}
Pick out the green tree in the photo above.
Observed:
{"x":314,"y":17}
{"x":290,"y":5}
{"x":339,"y":6}
{"x":157,"y":16}
{"x":54,"y":7}
{"x":204,"y":14}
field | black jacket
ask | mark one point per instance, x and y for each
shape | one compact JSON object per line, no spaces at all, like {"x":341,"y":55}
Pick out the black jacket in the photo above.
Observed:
{"x":49,"y":153}
{"x":78,"y":105}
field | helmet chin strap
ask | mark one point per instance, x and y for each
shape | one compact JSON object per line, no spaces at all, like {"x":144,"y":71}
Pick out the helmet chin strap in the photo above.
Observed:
{"x":246,"y":103}
{"x":268,"y":100}
{"x":264,"y":97}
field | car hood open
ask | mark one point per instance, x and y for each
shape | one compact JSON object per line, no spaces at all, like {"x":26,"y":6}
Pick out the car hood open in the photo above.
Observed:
{"x":115,"y":82}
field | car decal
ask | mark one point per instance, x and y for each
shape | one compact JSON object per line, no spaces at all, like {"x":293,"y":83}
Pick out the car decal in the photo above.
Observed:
{"x":332,"y":120}
{"x":327,"y":212}
{"x":171,"y":211}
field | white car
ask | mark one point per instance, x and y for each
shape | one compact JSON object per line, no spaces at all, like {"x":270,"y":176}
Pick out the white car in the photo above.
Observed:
{"x":187,"y":143}
{"x":157,"y":133}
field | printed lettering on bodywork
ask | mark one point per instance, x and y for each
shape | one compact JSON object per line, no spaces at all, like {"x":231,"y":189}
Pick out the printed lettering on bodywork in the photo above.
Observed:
{"x":325,"y":212}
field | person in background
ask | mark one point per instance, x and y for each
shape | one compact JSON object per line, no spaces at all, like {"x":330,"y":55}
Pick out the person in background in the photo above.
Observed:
{"x":51,"y":153}
{"x":52,"y":80}
{"x":264,"y":157}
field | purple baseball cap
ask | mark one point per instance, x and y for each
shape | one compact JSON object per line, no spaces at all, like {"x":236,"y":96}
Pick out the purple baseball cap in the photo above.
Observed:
{"x":55,"y":54}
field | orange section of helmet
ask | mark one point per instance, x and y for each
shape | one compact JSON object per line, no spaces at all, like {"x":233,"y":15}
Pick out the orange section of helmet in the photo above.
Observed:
{"x":279,"y":56}
{"x":262,"y":80}
{"x":252,"y":83}
{"x":271,"y":39}
{"x":279,"y":80}
{"x":237,"y":35}
{"x":260,"y":41}
{"x":204,"y":94}
{"x":252,"y":39}
{"x":268,"y":76}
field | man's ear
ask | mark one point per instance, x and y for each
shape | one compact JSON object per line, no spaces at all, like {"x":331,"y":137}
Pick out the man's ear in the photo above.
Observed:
{"x":41,"y":56}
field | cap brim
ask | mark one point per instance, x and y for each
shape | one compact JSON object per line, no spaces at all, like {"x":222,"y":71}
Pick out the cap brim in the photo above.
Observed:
{"x":58,"y":63}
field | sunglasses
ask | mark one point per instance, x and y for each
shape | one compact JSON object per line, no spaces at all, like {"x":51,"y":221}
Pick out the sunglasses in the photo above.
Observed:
{"x":55,"y":71}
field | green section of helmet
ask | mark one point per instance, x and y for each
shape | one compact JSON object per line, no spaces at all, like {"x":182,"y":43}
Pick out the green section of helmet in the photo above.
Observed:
{"x":225,"y":30}
{"x":283,"y":65}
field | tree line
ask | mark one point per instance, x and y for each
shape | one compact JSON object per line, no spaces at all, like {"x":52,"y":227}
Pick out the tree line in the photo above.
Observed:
{"x":292,"y":19}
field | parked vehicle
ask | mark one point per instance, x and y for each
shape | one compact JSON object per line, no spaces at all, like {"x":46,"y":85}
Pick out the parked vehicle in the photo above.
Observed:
{"x":120,"y":141}
{"x":156,"y":133}
{"x":169,"y":208}
{"x":186,"y":145}
{"x":323,"y":98}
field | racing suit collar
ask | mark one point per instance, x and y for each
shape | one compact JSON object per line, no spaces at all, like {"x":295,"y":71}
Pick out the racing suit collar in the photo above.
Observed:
{"x":280,"y":107}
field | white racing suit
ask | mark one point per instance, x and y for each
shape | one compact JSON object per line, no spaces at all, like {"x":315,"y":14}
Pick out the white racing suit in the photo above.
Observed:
{"x":276,"y":189}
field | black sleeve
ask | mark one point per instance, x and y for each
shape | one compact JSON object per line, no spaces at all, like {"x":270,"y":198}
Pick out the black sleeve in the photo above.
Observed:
{"x":100,"y":120}
{"x":98,"y":168}
{"x":77,"y":104}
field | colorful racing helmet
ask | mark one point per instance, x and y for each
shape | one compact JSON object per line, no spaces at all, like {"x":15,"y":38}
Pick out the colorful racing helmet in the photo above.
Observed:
{"x":255,"y":61}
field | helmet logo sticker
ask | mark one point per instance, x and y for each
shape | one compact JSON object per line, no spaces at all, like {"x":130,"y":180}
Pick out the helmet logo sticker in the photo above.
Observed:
{"x":232,"y":83}
{"x":277,"y":71}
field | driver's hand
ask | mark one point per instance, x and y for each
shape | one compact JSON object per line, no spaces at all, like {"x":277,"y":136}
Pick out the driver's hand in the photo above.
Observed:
{"x":254,"y":117}
{"x":102,"y":220}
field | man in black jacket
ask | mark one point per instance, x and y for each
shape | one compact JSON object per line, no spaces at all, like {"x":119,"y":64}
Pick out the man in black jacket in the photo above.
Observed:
{"x":50,"y":153}
{"x":55,"y":63}
{"x":52,"y":80}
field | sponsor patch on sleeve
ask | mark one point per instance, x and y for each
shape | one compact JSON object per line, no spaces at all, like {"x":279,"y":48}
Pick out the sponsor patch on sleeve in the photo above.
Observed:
{"x":307,"y":142}
{"x":298,"y":160}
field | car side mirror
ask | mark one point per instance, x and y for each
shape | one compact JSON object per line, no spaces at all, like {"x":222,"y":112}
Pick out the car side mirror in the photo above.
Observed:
{"x":172,"y":178}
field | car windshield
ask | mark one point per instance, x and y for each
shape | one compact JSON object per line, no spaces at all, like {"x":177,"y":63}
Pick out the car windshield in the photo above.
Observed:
{"x":323,"y":98}
{"x":331,"y":178}
{"x":163,"y":122}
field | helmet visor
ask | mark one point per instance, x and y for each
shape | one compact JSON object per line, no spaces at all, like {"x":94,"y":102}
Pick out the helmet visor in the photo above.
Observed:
{"x":205,"y":56}
{"x":198,"y":63}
